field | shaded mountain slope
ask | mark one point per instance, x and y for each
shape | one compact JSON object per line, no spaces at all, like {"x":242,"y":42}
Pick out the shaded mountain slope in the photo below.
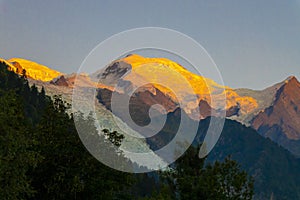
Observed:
{"x":281,"y":120}
{"x":274,"y":169}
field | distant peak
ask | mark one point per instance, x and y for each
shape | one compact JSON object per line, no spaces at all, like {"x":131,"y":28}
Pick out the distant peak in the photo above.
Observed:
{"x":290,"y":86}
{"x":291,"y":79}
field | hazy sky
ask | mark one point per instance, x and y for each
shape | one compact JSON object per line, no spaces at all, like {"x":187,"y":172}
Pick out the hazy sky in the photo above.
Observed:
{"x":254,"y":43}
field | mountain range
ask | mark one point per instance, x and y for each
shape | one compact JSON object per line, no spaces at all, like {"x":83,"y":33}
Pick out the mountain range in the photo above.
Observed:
{"x":272,"y":113}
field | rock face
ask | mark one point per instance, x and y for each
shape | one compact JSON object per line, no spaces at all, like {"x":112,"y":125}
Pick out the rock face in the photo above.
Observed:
{"x":139,"y":104}
{"x":77,"y":80}
{"x":281,"y":120}
{"x":60,"y":81}
{"x":278,"y":113}
{"x":285,"y":111}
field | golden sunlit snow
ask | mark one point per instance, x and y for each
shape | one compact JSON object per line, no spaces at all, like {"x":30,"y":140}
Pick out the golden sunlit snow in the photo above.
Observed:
{"x":153,"y":69}
{"x":33,"y":70}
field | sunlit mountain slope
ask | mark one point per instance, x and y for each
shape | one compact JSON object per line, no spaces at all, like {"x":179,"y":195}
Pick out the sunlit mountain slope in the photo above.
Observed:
{"x":33,"y":70}
{"x":174,"y":81}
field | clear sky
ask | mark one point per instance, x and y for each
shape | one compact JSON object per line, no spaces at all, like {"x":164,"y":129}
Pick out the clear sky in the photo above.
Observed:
{"x":254,"y":43}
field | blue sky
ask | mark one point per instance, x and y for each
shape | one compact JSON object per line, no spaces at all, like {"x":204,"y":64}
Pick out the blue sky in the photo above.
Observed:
{"x":254,"y":43}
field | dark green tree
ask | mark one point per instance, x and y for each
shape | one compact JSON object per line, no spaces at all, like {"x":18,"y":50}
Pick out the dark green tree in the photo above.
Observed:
{"x":68,"y":170}
{"x":192,"y":179}
{"x":16,"y":152}
{"x":225,"y":180}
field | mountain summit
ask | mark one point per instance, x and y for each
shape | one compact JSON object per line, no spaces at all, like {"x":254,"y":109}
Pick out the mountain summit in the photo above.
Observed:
{"x":284,"y":114}
{"x":278,"y":114}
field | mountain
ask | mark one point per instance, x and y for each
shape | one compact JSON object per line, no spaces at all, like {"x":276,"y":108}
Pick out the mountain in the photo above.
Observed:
{"x":175,"y":82}
{"x":284,"y":112}
{"x":281,"y":120}
{"x":33,"y":70}
{"x":273,"y":112}
{"x":277,"y":115}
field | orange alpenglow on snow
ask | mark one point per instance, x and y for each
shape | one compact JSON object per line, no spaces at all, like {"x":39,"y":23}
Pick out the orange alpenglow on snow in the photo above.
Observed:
{"x":153,"y":69}
{"x":33,"y":70}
